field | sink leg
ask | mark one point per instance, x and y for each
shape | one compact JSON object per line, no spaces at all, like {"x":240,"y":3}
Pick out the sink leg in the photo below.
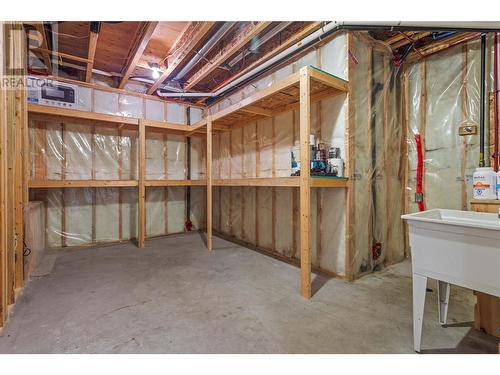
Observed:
{"x":443,"y":299}
{"x":419,"y":288}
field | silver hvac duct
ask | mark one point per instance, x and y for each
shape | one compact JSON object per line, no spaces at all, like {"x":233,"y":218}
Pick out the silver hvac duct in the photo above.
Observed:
{"x":334,"y":26}
{"x":280,"y":56}
{"x":206,"y":47}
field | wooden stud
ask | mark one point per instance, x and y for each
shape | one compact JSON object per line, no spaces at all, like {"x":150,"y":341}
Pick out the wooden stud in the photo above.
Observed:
{"x":350,"y":166}
{"x":120,"y":176}
{"x":388,"y":141}
{"x":209,"y":182}
{"x":142,"y":188}
{"x":423,"y":114}
{"x":3,"y":191}
{"x":463,"y":140}
{"x":94,"y":191}
{"x":305,"y":198}
{"x":46,"y":56}
{"x":91,"y":54}
{"x":20,"y":199}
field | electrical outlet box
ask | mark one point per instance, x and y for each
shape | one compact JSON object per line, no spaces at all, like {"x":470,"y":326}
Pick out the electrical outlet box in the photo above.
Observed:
{"x":467,"y":130}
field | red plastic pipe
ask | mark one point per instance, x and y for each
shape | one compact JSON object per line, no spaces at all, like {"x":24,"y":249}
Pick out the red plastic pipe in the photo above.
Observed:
{"x":420,"y":172}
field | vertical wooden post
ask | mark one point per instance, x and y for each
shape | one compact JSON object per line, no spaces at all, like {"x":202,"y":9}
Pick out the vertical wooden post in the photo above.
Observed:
{"x":304,"y":192}
{"x":209,"y":182}
{"x":463,"y":140}
{"x":3,"y":190}
{"x":20,"y":154}
{"x":350,"y":163}
{"x":388,"y":158}
{"x":141,"y":187}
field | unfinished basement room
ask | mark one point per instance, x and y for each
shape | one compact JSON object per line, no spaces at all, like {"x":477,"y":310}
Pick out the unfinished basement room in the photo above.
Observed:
{"x":249,"y":187}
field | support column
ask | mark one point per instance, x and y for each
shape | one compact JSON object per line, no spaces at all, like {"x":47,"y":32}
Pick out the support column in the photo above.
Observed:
{"x":305,"y":191}
{"x":209,"y":182}
{"x":142,"y":189}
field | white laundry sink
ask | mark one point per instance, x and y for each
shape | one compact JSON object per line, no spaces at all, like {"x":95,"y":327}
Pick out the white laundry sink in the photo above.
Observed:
{"x":453,"y":247}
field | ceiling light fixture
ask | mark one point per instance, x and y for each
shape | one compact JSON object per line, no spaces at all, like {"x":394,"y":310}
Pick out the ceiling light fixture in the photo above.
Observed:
{"x":156,"y":70}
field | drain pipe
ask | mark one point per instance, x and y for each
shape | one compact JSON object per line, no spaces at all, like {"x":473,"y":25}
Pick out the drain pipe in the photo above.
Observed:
{"x":481,"y":102}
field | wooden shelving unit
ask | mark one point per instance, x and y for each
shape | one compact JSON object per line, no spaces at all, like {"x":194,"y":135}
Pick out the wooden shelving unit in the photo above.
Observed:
{"x":314,"y":182}
{"x":298,"y":90}
{"x":141,"y":126}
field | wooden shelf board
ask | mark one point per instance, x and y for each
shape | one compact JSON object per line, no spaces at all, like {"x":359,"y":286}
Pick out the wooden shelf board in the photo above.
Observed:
{"x":73,"y":113}
{"x":42,"y":184}
{"x":328,"y":182}
{"x":279,"y":97}
{"x":167,"y":126}
{"x":485,"y":201}
{"x":175,"y":182}
{"x":292,"y":181}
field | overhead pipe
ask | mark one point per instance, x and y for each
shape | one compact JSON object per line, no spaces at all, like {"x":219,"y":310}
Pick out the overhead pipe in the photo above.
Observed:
{"x":206,"y":48}
{"x":273,"y":32}
{"x":481,"y":101}
{"x":330,"y":28}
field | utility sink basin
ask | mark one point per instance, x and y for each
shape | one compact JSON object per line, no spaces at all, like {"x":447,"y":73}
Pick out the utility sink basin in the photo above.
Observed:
{"x":453,"y":247}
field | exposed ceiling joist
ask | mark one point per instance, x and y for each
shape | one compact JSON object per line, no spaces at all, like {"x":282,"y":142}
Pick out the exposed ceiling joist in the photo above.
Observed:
{"x":61,"y":55}
{"x":244,"y":37}
{"x":410,"y":39}
{"x":399,"y":36}
{"x":193,"y":34}
{"x":93,"y":36}
{"x":140,"y":45}
{"x":44,"y":46}
{"x":287,"y":43}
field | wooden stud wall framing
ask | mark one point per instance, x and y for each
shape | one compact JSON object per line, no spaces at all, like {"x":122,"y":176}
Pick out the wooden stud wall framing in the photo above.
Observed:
{"x":303,"y":85}
{"x":4,"y":217}
{"x":304,"y":190}
{"x":13,"y":168}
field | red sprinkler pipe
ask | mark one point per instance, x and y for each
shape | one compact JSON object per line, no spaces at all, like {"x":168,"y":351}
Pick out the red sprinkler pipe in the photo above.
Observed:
{"x":495,"y":100}
{"x":419,"y":189}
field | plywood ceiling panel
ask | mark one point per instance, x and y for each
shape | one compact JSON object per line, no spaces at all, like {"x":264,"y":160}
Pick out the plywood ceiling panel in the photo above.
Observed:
{"x":161,"y":42}
{"x":72,"y":37}
{"x":113,"y":46}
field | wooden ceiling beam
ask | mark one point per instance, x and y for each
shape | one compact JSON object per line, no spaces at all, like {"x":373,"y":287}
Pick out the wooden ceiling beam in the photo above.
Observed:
{"x":287,"y":43}
{"x":399,"y":36}
{"x":140,"y":45}
{"x":93,"y":36}
{"x":61,"y":55}
{"x":410,"y":39}
{"x":190,"y":38}
{"x":44,"y":46}
{"x":241,"y":39}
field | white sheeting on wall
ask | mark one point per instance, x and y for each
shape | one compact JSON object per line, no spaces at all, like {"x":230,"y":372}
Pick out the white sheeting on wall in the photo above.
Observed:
{"x":78,"y":151}
{"x":452,"y":100}
{"x":262,"y":149}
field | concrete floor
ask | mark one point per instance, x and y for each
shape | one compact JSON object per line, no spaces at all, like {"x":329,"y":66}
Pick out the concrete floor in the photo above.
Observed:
{"x":177,"y":297}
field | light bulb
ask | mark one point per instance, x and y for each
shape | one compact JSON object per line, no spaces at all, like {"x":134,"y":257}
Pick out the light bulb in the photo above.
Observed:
{"x":156,"y":74}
